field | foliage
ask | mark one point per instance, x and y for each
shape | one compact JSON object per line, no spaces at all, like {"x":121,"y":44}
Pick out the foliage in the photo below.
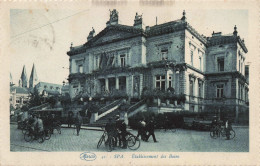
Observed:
{"x":35,"y":98}
{"x":24,"y":108}
{"x":164,"y":95}
{"x":52,"y":100}
{"x":65,"y":100}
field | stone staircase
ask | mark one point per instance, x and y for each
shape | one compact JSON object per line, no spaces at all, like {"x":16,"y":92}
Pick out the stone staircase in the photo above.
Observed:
{"x":132,"y":110}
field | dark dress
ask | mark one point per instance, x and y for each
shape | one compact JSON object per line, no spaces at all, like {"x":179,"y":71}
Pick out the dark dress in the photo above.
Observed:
{"x":150,"y":129}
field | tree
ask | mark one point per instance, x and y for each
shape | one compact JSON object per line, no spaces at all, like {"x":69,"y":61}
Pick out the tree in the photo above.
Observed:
{"x":35,"y":98}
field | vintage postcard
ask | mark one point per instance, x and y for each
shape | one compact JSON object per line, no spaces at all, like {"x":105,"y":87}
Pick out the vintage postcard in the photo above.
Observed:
{"x":119,"y":82}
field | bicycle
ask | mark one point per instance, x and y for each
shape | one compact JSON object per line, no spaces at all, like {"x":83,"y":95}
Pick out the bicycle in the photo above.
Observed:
{"x":133,"y":142}
{"x":57,"y":127}
{"x":102,"y":139}
{"x":110,"y":141}
{"x":217,"y":131}
{"x":29,"y":136}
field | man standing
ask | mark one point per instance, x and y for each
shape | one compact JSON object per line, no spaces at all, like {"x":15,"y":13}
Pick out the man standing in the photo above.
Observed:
{"x":122,"y":138}
{"x":150,"y":129}
{"x":228,"y":128}
{"x":111,"y":131}
{"x":70,"y":119}
{"x":78,"y":122}
{"x":141,"y":129}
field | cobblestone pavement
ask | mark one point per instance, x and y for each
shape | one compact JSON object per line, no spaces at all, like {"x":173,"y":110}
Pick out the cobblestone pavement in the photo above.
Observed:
{"x":180,"y":141}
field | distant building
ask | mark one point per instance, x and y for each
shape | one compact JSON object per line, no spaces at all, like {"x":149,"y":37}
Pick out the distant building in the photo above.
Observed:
{"x":209,"y":71}
{"x":19,"y":95}
{"x":65,"y":89}
{"x":48,"y":89}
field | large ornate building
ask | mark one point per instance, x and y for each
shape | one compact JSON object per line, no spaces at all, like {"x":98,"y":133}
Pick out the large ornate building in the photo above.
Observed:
{"x":208,"y":70}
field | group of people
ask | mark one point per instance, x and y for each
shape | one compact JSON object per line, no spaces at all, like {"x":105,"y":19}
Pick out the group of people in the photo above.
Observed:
{"x":38,"y":123}
{"x":146,"y":127}
{"x":217,"y":124}
{"x":117,"y":130}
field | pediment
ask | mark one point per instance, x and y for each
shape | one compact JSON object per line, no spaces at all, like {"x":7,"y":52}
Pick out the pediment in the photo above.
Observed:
{"x":110,"y":36}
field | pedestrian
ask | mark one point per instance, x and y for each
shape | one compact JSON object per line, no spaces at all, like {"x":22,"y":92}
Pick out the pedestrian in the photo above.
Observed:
{"x":78,"y":122}
{"x":110,"y":128}
{"x":141,"y":129}
{"x":122,"y":138}
{"x":228,"y":128}
{"x":118,"y":134}
{"x":40,"y":127}
{"x":70,"y":120}
{"x":150,"y":128}
{"x":214,"y":125}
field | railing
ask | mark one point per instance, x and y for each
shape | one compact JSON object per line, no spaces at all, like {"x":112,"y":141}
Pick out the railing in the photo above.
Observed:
{"x":113,"y":104}
{"x":39,"y":107}
{"x":135,"y":106}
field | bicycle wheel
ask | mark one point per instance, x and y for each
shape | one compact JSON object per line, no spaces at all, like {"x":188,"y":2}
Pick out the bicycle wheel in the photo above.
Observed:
{"x":27,"y":136}
{"x":173,"y":129}
{"x":232,"y":134}
{"x":47,"y":135}
{"x":24,"y":130}
{"x":133,"y":142}
{"x":100,"y":141}
{"x":58,"y":128}
{"x":213,"y":133}
{"x":74,"y":130}
{"x":110,"y":144}
{"x":41,"y":137}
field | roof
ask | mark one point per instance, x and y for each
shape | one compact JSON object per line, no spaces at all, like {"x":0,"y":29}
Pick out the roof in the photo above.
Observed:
{"x":20,"y":90}
{"x":224,"y":39}
{"x":52,"y":92}
{"x":49,"y":84}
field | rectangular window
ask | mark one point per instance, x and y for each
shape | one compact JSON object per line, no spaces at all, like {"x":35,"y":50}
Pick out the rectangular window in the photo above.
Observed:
{"x":80,"y":69}
{"x":97,"y":62}
{"x":220,"y":91}
{"x":191,"y":88}
{"x":200,"y":89}
{"x":17,"y":101}
{"x":192,"y":108}
{"x":164,"y":53}
{"x":160,"y":82}
{"x":221,"y":64}
{"x":241,"y":93}
{"x":122,"y":60}
{"x":191,"y":57}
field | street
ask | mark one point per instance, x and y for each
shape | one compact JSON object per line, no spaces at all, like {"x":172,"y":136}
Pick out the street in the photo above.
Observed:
{"x":180,"y":141}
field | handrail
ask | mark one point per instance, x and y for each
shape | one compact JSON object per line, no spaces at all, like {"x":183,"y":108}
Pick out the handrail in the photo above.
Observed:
{"x":39,"y":106}
{"x":136,"y":105}
{"x":107,"y":107}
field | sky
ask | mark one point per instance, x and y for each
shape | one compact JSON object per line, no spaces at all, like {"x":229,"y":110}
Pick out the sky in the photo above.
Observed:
{"x":43,"y":37}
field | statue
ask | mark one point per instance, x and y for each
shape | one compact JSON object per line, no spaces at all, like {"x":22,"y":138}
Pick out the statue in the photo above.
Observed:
{"x":113,"y":15}
{"x":138,"y":19}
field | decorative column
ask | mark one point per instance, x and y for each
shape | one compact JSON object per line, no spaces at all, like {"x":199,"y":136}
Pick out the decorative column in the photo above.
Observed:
{"x":117,"y":83}
{"x":140,"y":85}
{"x":106,"y":84}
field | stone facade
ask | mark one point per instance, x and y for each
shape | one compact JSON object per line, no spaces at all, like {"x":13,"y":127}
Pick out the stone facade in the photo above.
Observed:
{"x":173,"y":54}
